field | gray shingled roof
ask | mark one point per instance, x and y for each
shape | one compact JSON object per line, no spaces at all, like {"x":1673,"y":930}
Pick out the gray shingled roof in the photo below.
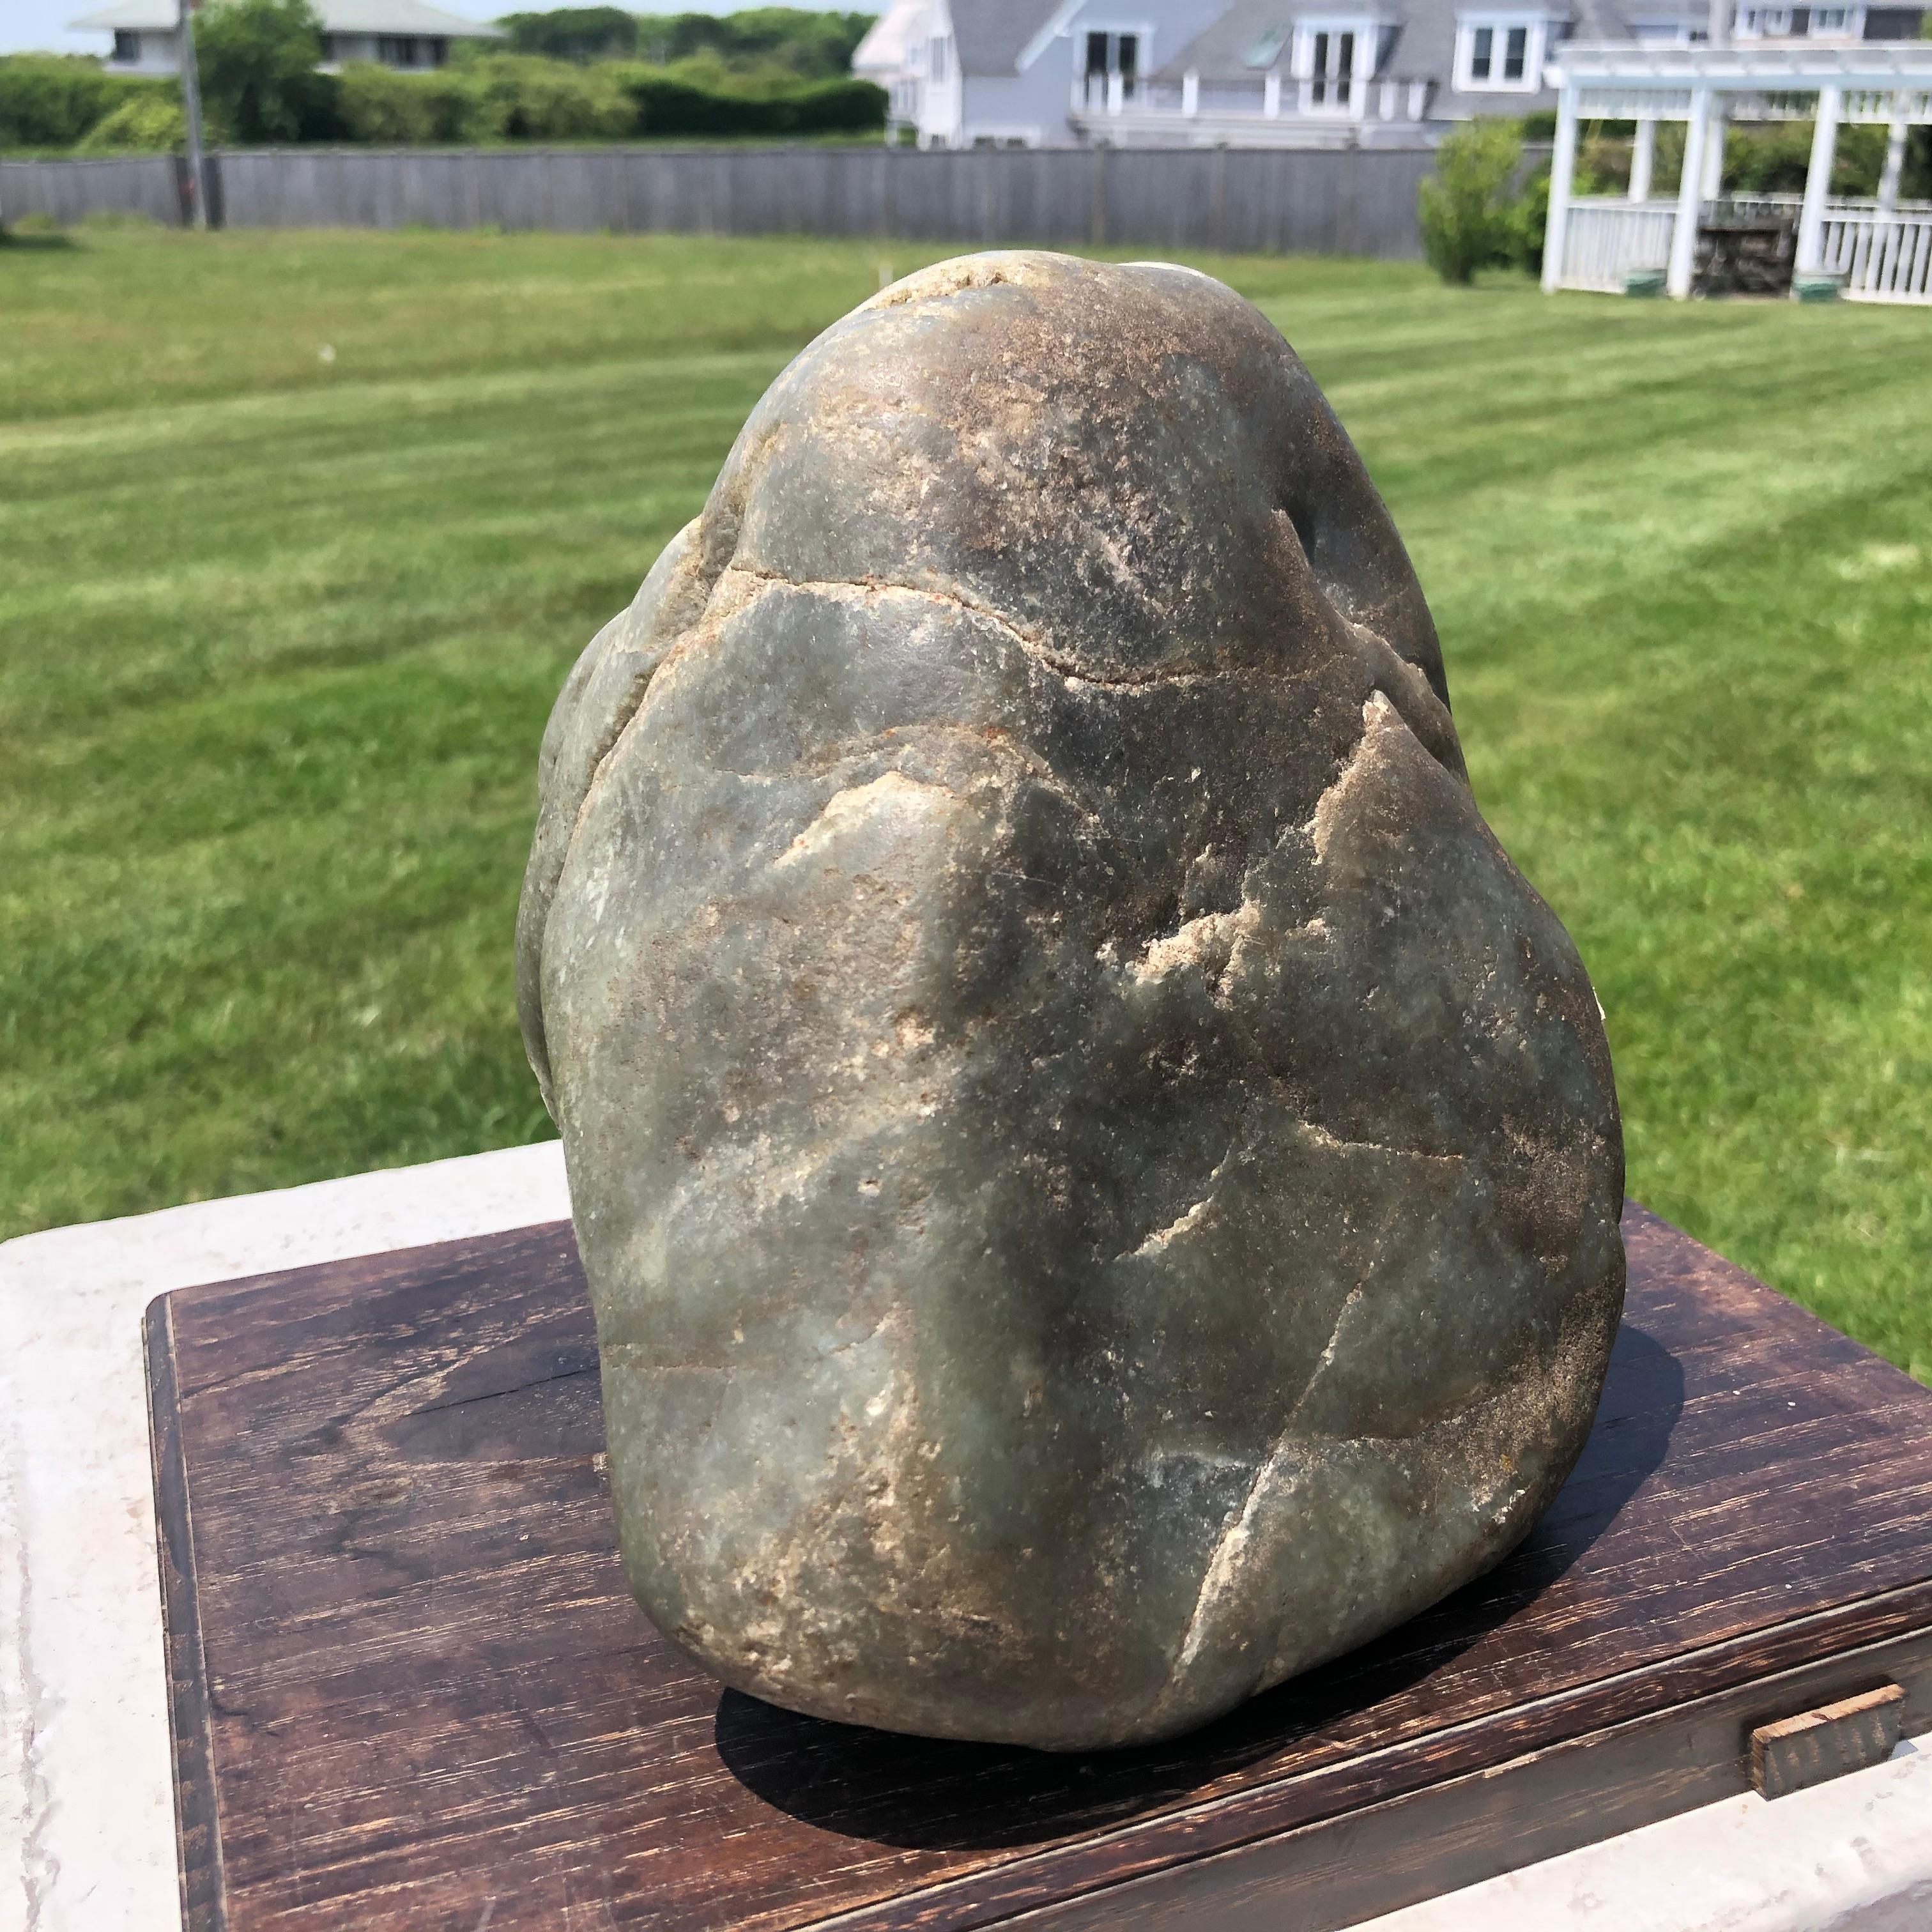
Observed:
{"x":337,"y":16}
{"x":1426,"y":40}
{"x":990,"y":33}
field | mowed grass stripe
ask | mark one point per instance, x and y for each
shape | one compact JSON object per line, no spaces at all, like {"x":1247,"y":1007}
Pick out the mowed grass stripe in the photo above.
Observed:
{"x":278,"y":638}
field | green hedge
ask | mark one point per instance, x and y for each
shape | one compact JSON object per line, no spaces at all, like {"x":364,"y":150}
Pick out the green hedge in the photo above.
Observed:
{"x":800,"y":44}
{"x":53,"y":100}
{"x":483,"y":99}
{"x":666,"y":104}
{"x":521,"y":97}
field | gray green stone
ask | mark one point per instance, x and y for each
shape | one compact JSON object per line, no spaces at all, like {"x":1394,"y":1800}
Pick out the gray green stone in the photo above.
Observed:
{"x":1099,"y":1179}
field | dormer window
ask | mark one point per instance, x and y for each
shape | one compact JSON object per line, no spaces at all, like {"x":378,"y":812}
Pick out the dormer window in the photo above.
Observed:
{"x":1500,"y":53}
{"x":1111,"y":66}
{"x":1336,"y":56}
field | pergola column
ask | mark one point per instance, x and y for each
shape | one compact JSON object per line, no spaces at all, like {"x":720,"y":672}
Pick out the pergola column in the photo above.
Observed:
{"x":1818,"y":180}
{"x":1643,"y":157}
{"x":1894,"y":158}
{"x":1713,"y":152}
{"x":1689,"y":195}
{"x":1562,"y":172}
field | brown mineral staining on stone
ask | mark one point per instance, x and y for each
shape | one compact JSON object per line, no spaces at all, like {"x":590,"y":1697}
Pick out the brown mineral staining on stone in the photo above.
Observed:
{"x":1100,"y":1179}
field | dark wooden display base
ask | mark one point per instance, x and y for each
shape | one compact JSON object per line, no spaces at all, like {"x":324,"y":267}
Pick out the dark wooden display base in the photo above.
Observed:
{"x":409,"y":1689}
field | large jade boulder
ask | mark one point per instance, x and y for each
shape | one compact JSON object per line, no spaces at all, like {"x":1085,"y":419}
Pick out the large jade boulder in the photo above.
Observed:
{"x":1099,"y":1179}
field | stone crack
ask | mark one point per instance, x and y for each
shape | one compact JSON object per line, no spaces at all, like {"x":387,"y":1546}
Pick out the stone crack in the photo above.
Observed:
{"x":1060,"y":665}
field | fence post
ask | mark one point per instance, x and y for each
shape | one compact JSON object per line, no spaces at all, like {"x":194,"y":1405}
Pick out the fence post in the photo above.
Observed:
{"x":1099,"y":212}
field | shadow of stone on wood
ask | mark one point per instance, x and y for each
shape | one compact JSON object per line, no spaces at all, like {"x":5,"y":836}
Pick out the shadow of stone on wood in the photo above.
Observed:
{"x":934,"y":1795}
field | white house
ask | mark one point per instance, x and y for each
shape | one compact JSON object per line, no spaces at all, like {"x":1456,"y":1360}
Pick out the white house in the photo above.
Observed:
{"x":1271,"y":73}
{"x":395,"y":33}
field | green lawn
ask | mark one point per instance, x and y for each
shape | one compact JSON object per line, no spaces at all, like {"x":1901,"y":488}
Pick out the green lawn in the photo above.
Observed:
{"x":299,"y":534}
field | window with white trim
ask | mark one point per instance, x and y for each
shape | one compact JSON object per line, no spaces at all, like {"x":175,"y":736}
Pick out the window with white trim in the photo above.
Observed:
{"x":1500,"y":53}
{"x":1111,"y":61}
{"x":1836,"y":23}
{"x":1763,"y":23}
{"x":1334,"y":59}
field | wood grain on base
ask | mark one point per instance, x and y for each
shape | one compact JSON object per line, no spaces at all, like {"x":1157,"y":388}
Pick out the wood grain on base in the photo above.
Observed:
{"x":410,"y":1687}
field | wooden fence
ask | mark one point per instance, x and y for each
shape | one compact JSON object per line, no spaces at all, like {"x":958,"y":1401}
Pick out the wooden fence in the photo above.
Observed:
{"x":1347,"y":201}
{"x":150,"y":186}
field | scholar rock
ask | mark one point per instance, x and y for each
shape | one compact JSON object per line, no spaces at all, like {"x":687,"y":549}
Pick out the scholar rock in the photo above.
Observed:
{"x":1099,"y":1179}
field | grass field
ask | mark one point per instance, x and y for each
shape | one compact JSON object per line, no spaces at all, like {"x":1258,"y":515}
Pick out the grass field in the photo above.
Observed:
{"x":300,"y":533}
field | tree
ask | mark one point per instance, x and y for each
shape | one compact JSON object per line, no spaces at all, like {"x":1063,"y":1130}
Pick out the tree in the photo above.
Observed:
{"x":257,"y":59}
{"x":573,"y":33}
{"x":1468,"y":210}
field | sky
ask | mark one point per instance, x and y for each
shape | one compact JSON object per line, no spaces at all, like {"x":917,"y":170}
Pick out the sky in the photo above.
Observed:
{"x":41,"y":25}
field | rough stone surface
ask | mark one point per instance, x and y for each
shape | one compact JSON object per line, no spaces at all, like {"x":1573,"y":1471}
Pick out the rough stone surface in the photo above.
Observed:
{"x":1099,"y":1179}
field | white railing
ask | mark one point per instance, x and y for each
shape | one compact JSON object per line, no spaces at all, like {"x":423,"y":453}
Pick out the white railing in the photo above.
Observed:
{"x":1267,"y":98}
{"x":1604,"y":241}
{"x":1884,"y":258}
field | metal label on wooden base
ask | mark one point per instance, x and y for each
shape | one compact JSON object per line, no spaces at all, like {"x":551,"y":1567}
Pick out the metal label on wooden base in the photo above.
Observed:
{"x":1851,"y":1734}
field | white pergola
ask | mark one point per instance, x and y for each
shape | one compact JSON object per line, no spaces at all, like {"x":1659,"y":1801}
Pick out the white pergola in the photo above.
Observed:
{"x":1884,"y":254}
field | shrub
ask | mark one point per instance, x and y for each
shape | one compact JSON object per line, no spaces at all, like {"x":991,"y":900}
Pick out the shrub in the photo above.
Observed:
{"x":1468,"y":219}
{"x":1528,"y":219}
{"x":519,"y":97}
{"x":51,"y":101}
{"x":147,"y":124}
{"x":378,"y":105}
{"x":256,"y":62}
{"x":1775,"y":159}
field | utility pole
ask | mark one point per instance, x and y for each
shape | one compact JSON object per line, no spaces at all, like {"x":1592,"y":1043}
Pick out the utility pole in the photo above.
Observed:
{"x":197,"y":171}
